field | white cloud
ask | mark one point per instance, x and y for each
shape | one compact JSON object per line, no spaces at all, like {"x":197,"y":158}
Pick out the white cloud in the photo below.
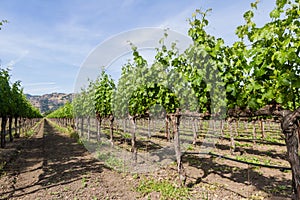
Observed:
{"x":12,"y":63}
{"x":51,"y":43}
{"x":178,"y":22}
{"x":41,"y":90}
{"x":39,"y":84}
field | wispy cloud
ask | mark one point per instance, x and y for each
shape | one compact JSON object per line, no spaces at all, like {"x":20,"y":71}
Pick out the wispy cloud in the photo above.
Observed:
{"x":41,"y":90}
{"x":11,"y":63}
{"x":39,"y":84}
{"x":46,"y":42}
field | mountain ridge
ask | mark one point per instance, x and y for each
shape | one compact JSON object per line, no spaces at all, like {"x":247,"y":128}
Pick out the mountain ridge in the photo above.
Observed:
{"x":49,"y":102}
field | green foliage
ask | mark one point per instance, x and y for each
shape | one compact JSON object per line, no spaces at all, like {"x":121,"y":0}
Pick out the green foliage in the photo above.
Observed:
{"x":149,"y":95}
{"x":166,"y":189}
{"x":96,"y":99}
{"x":111,"y":160}
{"x":29,"y":133}
{"x":142,"y":87}
{"x":12,"y":100}
{"x":65,"y":111}
{"x":271,"y":61}
{"x":5,"y":91}
{"x":104,"y":88}
{"x":2,"y":22}
{"x":204,"y":65}
{"x":260,"y":68}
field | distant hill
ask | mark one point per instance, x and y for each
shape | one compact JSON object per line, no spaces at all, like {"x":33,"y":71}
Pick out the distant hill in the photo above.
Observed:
{"x":49,"y":102}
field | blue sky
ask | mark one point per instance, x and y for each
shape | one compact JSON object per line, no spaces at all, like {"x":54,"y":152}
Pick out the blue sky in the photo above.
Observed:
{"x":46,"y":42}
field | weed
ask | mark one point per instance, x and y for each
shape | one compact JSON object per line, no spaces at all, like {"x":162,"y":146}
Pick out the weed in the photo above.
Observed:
{"x":205,"y":196}
{"x":238,"y":144}
{"x":274,"y":140}
{"x":2,"y":165}
{"x":166,"y":189}
{"x":127,"y":135}
{"x":248,"y":159}
{"x":111,"y":161}
{"x":29,"y":133}
{"x":54,"y":193}
{"x":279,"y":189}
{"x":135,"y":176}
{"x":84,"y":182}
{"x":74,"y":135}
{"x":190,"y":147}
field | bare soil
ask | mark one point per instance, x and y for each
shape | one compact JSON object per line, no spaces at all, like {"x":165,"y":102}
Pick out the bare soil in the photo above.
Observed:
{"x":51,"y":165}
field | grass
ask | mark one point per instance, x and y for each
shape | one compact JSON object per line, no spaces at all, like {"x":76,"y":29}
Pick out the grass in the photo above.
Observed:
{"x":256,"y":160}
{"x":238,"y":144}
{"x":84,"y":182}
{"x":73,"y":134}
{"x":32,"y":130}
{"x":274,"y":140}
{"x":190,"y":147}
{"x":166,"y":189}
{"x":279,"y":189}
{"x":2,"y":165}
{"x":111,"y":161}
{"x":127,"y":135}
{"x":29,"y":133}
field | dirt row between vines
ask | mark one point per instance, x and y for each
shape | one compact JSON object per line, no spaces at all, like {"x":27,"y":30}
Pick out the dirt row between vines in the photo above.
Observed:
{"x":51,"y":165}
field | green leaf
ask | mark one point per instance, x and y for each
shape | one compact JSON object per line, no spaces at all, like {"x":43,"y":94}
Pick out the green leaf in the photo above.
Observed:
{"x":275,"y":13}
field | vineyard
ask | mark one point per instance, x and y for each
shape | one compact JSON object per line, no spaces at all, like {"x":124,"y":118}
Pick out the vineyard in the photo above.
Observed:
{"x":16,"y":113}
{"x":212,"y":97}
{"x":224,"y":118}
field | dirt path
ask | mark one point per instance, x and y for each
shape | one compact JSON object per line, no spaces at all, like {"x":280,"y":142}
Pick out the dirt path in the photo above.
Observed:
{"x":51,"y":165}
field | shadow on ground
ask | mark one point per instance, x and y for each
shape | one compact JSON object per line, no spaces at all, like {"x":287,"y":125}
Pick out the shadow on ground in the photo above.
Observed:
{"x":56,"y":159}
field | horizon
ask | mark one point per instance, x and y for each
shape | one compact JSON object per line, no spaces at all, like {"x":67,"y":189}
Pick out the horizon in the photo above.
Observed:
{"x":48,"y":93}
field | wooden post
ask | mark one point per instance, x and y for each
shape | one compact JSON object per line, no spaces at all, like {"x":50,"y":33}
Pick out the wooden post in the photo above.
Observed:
{"x":167,"y":131}
{"x":236,"y":126}
{"x":3,"y":131}
{"x":176,"y":122}
{"x":88,"y":127}
{"x":10,"y":128}
{"x":262,"y":127}
{"x":232,"y":144}
{"x":254,"y":132}
{"x":81,"y":126}
{"x":99,"y":129}
{"x":111,"y":126}
{"x":149,"y":129}
{"x":221,"y":128}
{"x":194,"y":132}
{"x":17,"y":135}
{"x":133,"y":139}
